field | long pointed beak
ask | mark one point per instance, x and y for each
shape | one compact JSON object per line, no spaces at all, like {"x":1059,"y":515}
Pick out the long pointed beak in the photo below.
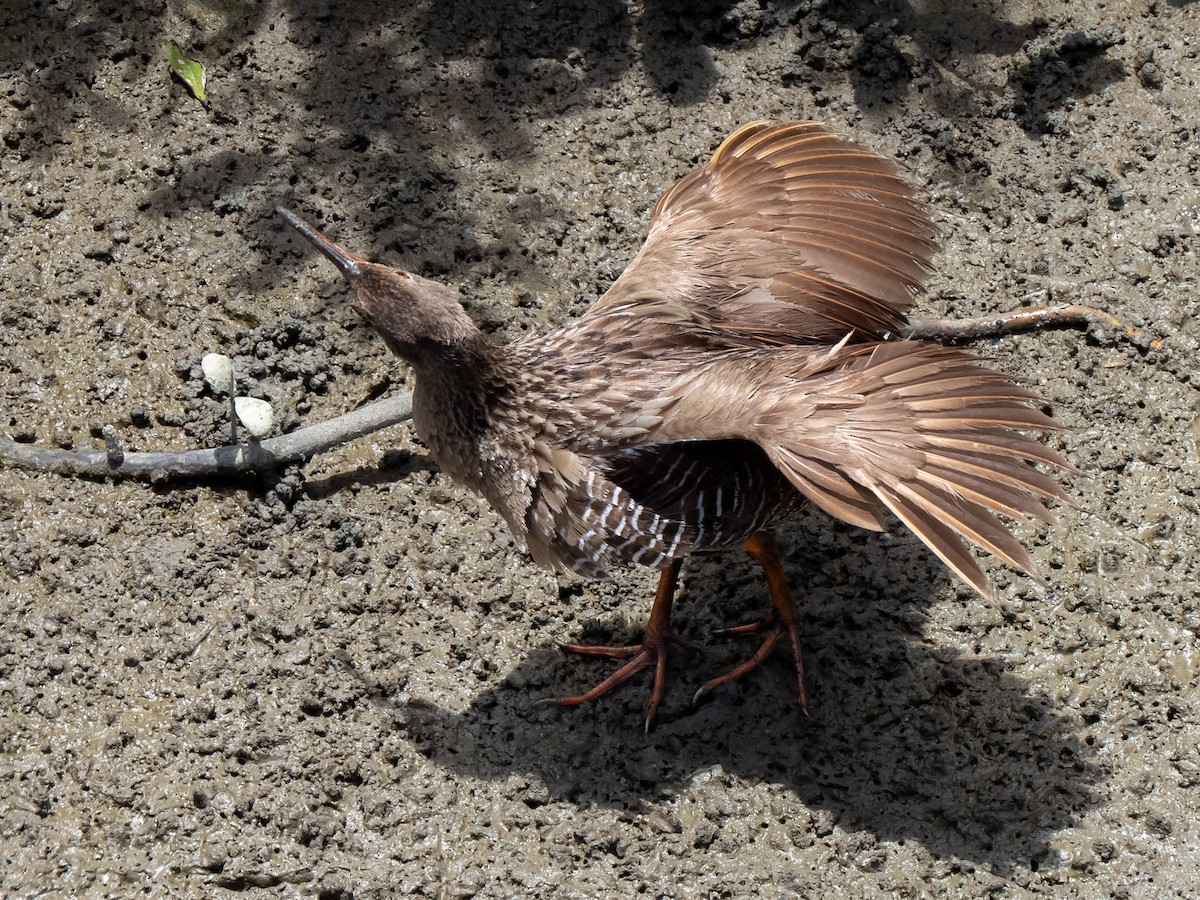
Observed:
{"x":349,"y":264}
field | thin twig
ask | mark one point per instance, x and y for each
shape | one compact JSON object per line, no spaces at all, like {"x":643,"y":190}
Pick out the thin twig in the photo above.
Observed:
{"x":1071,"y":316}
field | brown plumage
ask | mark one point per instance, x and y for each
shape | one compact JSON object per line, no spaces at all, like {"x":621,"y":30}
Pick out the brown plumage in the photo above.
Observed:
{"x":738,"y":367}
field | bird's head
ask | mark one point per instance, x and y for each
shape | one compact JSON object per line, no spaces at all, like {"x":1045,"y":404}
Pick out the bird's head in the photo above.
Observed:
{"x":420,"y":320}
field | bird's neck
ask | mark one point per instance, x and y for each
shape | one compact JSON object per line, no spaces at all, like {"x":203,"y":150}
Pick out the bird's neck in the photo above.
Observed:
{"x":455,"y":389}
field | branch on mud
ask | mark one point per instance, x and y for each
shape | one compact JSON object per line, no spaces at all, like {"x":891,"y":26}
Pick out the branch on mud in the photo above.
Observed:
{"x":252,"y":457}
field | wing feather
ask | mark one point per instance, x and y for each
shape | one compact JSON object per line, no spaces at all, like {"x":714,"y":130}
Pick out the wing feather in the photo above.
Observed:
{"x":927,"y":432}
{"x":788,"y":235}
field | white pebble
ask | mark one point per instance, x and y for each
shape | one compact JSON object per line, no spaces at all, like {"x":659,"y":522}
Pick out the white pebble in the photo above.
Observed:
{"x":254,"y":414}
{"x":218,"y":372}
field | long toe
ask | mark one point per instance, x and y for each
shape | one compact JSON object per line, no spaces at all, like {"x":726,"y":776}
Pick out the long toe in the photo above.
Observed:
{"x":612,"y":652}
{"x":641,"y":660}
{"x":764,"y":650}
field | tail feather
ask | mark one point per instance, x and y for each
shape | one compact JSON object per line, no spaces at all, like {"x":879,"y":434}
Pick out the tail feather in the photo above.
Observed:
{"x":1000,"y":445}
{"x":930,"y":434}
{"x":971,"y":520}
{"x":1008,"y":499}
{"x":831,"y":489}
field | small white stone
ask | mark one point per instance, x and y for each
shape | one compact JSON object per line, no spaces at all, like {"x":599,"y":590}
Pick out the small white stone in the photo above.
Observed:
{"x":254,"y":414}
{"x":218,"y":372}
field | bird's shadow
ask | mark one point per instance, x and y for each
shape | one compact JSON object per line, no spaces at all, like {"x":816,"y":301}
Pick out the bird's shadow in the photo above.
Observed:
{"x":905,"y":738}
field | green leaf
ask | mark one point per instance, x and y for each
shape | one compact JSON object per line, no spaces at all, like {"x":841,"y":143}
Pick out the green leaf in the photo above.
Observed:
{"x":189,"y":71}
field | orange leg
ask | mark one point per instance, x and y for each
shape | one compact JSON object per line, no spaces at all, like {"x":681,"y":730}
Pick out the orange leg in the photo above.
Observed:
{"x":652,"y":651}
{"x":782,"y":621}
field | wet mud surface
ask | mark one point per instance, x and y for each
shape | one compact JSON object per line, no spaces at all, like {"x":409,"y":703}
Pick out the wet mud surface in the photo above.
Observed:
{"x":324,"y":682}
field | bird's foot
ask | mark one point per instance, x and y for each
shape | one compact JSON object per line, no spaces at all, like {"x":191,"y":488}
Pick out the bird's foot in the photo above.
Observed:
{"x":775,"y":626}
{"x":652,"y":651}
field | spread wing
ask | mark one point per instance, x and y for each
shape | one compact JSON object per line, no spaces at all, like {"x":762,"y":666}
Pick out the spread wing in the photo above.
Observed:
{"x":788,"y":235}
{"x":926,"y":432}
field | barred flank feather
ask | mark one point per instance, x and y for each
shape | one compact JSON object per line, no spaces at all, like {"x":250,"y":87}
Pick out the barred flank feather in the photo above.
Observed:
{"x":608,"y":525}
{"x":652,"y":504}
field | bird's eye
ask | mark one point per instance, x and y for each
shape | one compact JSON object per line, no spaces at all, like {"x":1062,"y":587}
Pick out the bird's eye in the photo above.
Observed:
{"x":407,"y":276}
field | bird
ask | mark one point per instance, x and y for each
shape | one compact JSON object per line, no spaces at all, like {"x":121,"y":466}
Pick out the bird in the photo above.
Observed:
{"x":746,"y":363}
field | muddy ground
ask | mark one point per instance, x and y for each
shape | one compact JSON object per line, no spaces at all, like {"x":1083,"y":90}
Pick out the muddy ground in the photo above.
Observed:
{"x":325,"y":682}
